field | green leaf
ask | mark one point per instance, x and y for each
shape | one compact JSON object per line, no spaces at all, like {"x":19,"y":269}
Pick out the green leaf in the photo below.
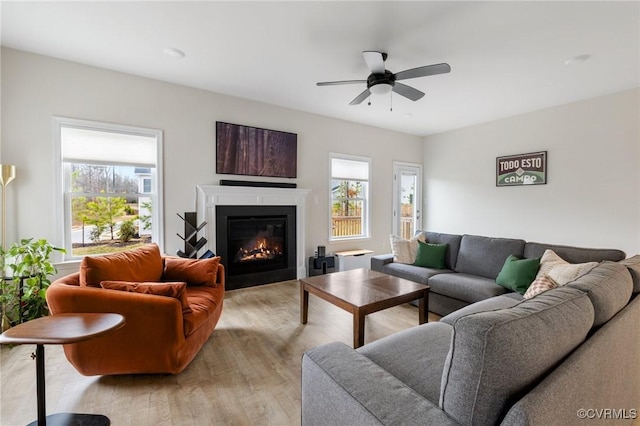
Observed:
{"x":30,"y":266}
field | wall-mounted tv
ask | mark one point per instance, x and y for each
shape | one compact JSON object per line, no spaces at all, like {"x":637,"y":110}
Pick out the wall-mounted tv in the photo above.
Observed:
{"x":251,"y":151}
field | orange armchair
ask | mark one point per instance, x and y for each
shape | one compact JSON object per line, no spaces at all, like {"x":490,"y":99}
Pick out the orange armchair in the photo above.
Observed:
{"x":161,"y":335}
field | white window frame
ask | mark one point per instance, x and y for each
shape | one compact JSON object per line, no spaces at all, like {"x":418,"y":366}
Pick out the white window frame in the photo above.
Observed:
{"x":63,"y":198}
{"x":366,"y":205}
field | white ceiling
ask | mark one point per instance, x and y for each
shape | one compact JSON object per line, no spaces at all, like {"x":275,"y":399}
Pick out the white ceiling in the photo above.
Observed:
{"x":507,"y":58}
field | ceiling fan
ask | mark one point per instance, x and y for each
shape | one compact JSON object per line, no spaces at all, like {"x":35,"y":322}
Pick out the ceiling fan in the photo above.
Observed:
{"x":382,"y":81}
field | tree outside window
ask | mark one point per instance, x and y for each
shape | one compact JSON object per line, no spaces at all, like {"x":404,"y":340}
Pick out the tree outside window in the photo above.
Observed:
{"x":113,"y":220}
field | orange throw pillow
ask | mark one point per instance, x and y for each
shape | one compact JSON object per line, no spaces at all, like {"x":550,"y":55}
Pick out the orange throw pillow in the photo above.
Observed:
{"x":193,"y":271}
{"x":137,"y":265}
{"x":177,"y":290}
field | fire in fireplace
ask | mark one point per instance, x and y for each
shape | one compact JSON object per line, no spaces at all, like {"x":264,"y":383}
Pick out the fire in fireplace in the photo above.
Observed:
{"x":259,"y":249}
{"x":256,"y":243}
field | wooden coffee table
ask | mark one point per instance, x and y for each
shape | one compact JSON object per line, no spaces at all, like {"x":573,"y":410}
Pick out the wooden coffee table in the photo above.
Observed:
{"x":59,"y":330}
{"x":361,"y":292}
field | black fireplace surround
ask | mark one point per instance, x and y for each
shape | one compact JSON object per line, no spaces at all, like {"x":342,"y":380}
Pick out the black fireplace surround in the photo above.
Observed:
{"x":257,"y":244}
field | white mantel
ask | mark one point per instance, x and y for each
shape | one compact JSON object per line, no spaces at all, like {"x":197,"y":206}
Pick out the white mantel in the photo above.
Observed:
{"x":210,"y":196}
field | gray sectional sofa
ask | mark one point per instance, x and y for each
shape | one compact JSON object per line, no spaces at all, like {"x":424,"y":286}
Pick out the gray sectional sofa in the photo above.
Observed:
{"x":472,"y":264}
{"x":570,"y":355}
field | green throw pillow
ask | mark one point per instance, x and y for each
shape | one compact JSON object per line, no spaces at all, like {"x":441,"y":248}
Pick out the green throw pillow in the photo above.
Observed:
{"x":431,"y":255}
{"x":518,"y":274}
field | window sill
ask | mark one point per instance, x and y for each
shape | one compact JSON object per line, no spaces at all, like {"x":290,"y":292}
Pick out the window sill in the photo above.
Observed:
{"x":349,"y":239}
{"x":66,"y":267}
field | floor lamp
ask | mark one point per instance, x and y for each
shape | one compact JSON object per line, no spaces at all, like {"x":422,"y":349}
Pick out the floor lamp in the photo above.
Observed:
{"x":7,"y":174}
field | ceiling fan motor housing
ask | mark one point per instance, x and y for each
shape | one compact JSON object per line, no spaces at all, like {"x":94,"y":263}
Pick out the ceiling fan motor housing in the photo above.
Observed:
{"x":387,"y":78}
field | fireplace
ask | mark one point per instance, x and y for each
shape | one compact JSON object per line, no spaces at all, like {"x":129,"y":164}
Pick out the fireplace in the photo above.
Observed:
{"x":210,"y":198}
{"x":257,"y":244}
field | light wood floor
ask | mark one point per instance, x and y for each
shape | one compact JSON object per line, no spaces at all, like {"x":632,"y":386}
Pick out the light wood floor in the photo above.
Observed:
{"x":248,"y":373}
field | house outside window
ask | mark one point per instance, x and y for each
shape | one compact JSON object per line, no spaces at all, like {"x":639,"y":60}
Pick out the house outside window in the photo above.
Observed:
{"x":146,"y":184}
{"x":349,"y":197}
{"x":111,"y":187}
{"x":144,"y":202}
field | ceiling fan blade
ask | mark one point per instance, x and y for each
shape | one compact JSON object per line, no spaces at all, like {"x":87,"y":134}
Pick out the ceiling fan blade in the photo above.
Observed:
{"x":336,"y":83}
{"x":423,"y":71}
{"x":361,"y":97}
{"x":407,"y":91}
{"x":375,"y":61}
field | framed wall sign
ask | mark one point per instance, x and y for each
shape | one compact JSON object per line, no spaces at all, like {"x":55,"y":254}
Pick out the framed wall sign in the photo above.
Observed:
{"x":522,"y":169}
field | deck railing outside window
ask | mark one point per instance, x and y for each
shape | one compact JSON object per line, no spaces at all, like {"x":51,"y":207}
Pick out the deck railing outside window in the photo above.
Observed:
{"x":346,"y":226}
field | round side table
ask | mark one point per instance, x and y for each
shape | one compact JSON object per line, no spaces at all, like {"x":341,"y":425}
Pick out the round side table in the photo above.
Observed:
{"x":60,"y":330}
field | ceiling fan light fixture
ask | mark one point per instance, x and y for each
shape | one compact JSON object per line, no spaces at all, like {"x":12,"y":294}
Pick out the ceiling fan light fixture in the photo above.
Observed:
{"x":381,"y":89}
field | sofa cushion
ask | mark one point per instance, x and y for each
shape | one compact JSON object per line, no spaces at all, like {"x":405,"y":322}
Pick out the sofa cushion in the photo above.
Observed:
{"x":343,"y":387}
{"x":518,"y":274}
{"x":573,"y":254}
{"x":176,"y":290}
{"x":415,"y":356}
{"x":561,"y":271}
{"x":498,"y":356}
{"x":633,"y":264}
{"x":465,"y":287}
{"x":431,"y":255}
{"x":405,"y":251}
{"x":492,"y":304}
{"x":515,"y":296}
{"x":143,"y":264}
{"x":193,"y":271}
{"x":453,"y":245}
{"x":485,"y":256}
{"x":414,"y":273}
{"x":609,"y":287}
{"x":203,"y":300}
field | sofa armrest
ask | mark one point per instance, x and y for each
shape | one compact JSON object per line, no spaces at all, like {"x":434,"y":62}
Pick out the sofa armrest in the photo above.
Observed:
{"x":341,"y":386}
{"x":140,"y":310}
{"x":154,"y":327}
{"x":220,"y":276}
{"x":377,"y":262}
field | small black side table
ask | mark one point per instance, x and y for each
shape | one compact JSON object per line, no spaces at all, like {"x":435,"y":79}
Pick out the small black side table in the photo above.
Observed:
{"x":59,"y":330}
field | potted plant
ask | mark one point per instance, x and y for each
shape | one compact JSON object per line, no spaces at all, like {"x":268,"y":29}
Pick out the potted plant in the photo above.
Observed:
{"x":23,"y":294}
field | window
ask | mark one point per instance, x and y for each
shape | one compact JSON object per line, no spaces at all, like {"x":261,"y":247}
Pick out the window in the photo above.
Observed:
{"x":111,"y":186}
{"x":349,"y":197}
{"x":146,"y":185}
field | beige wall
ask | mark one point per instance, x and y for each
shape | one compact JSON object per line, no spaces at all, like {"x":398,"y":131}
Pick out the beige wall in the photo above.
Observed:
{"x":592,"y":198}
{"x":36,"y":88}
{"x":593,"y":193}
